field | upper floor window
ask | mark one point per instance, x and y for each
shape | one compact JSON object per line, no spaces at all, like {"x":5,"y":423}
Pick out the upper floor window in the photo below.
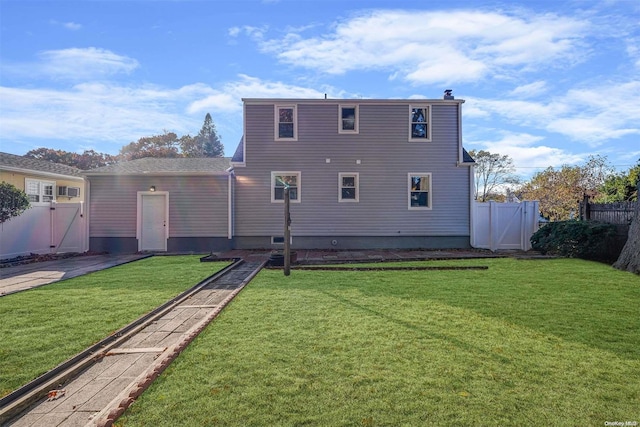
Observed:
{"x":348,"y":119}
{"x":419,"y":190}
{"x":39,"y":191}
{"x":282,"y":180}
{"x":349,"y":187}
{"x":420,"y":120}
{"x":286,"y":123}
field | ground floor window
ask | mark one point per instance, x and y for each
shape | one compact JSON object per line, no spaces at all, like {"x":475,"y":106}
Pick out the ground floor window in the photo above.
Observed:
{"x":282,"y":180}
{"x":419,"y":190}
{"x":348,"y":190}
{"x":39,"y":191}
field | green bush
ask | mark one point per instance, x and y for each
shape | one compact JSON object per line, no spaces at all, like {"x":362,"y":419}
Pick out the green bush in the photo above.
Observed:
{"x":12,"y":201}
{"x":577,"y":239}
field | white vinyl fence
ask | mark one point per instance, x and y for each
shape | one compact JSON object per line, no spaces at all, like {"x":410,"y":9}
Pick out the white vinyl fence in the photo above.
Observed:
{"x":60,"y":227}
{"x":499,"y":226}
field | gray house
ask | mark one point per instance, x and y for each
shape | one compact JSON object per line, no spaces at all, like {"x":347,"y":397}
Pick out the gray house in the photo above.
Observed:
{"x":362,"y":174}
{"x":160,"y":205}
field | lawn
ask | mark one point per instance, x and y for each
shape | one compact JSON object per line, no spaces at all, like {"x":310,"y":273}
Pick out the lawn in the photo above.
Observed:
{"x":45,"y":326}
{"x":525,"y":342}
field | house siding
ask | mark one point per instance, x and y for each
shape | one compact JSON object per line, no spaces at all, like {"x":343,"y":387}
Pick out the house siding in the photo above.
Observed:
{"x":192,"y":226}
{"x":17,"y":179}
{"x":386,"y":157}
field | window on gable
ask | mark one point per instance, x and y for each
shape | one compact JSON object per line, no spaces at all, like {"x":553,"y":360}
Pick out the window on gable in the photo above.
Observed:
{"x":281,"y":180}
{"x":348,"y":187}
{"x":348,"y":119}
{"x":286,"y":123}
{"x":420,"y":118}
{"x":39,"y":191}
{"x":419,"y":191}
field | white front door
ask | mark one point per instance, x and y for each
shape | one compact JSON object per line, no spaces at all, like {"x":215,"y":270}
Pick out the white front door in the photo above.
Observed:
{"x":153,"y":223}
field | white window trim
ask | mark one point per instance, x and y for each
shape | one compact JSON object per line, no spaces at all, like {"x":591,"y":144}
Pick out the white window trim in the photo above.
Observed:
{"x":356,"y":124}
{"x":356,"y":175}
{"x":428,"y":122}
{"x":276,"y":118}
{"x":273,"y":185}
{"x":430,"y":191}
{"x":41,"y":183}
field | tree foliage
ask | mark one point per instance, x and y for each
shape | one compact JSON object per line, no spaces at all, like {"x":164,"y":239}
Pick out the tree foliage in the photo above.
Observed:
{"x":89,"y":159}
{"x":491,"y":171}
{"x":206,"y":144}
{"x":165,"y":145}
{"x":560,"y":190}
{"x":620,"y":187}
{"x":12,"y":201}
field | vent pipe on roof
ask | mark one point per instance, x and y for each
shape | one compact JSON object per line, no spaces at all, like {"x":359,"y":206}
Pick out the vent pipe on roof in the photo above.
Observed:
{"x":448,"y":94}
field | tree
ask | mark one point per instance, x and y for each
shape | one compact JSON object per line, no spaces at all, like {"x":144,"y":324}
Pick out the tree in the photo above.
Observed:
{"x":629,"y":259}
{"x":560,"y":190}
{"x":165,"y":145}
{"x":12,"y":201}
{"x":491,"y":172}
{"x":205,"y":144}
{"x":89,"y":159}
{"x":620,"y":187}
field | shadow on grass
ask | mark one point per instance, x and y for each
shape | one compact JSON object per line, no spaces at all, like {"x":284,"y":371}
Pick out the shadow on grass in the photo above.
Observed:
{"x":580,"y":301}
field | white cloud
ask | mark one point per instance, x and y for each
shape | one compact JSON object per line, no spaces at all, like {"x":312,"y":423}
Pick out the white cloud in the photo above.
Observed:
{"x":426,"y":46}
{"x":85,"y":63}
{"x":94,"y":112}
{"x":592,"y":116}
{"x":72,"y":26}
{"x":68,"y":25}
{"x":529,"y":90}
{"x":529,"y":153}
{"x":99,"y":112}
{"x":229,"y":97}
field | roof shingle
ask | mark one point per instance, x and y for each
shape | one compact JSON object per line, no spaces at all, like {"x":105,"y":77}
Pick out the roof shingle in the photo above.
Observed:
{"x":153,"y":165}
{"x":26,"y":163}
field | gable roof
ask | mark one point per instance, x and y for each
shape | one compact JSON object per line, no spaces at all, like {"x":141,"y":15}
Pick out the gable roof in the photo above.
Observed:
{"x":466,"y":157}
{"x":238,"y":156}
{"x":16,"y":163}
{"x":166,"y":166}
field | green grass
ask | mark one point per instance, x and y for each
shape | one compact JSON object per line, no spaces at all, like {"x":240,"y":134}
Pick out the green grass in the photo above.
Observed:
{"x":536,"y":342}
{"x":45,"y":326}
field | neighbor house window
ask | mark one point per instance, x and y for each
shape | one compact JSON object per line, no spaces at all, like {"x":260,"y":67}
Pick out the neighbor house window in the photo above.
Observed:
{"x":39,"y":191}
{"x":349,"y":187}
{"x":281,"y":180}
{"x":286,"y":123}
{"x":348,"y":119}
{"x":419,"y":191}
{"x":420,"y":120}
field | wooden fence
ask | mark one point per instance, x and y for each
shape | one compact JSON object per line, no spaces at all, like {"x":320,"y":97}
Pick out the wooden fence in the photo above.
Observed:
{"x":619,"y":213}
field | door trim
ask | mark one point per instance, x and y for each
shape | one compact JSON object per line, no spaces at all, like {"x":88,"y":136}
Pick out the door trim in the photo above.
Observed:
{"x":164,"y":194}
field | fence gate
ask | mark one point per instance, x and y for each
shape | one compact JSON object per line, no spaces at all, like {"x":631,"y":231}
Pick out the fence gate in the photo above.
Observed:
{"x":504,"y":225}
{"x":60,"y":227}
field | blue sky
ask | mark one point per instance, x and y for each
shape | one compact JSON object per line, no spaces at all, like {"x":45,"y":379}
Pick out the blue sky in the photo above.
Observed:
{"x":545,"y":82}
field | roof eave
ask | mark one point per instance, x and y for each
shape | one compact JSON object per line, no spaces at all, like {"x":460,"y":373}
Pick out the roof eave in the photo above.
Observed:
{"x":39,"y":172}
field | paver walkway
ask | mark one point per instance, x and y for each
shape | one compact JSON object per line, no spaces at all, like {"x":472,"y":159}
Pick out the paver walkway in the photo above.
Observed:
{"x":101,"y":393}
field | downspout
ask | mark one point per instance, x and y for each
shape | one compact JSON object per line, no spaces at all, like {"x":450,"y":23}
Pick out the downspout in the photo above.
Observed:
{"x":85,"y":215}
{"x":472,"y":208}
{"x":230,"y":189}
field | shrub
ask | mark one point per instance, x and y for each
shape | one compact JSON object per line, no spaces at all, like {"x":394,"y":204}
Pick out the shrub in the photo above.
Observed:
{"x":12,"y":201}
{"x":577,"y":239}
